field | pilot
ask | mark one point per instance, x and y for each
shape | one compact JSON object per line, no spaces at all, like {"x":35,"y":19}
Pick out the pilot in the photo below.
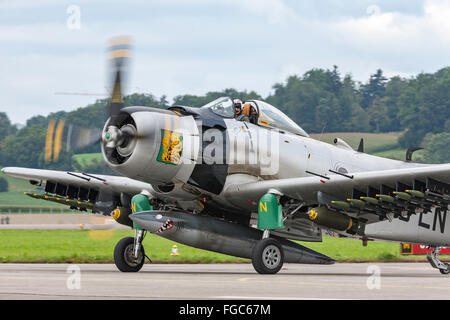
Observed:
{"x":237,"y":108}
{"x":245,"y":116}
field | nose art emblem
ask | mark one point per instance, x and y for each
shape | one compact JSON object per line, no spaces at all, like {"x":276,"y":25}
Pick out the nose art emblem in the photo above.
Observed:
{"x":171,"y":147}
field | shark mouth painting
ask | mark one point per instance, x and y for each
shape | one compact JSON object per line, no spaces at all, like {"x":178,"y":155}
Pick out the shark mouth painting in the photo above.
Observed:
{"x":168,"y":224}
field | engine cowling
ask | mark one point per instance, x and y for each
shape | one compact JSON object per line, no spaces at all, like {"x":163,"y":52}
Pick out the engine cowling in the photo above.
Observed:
{"x":151,"y":145}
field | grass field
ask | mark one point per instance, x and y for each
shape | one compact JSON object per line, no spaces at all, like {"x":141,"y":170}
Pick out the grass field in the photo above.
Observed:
{"x":97,"y":246}
{"x":397,"y":154}
{"x":373,"y":142}
{"x":378,"y":144}
{"x":86,"y":159}
{"x":91,"y":246}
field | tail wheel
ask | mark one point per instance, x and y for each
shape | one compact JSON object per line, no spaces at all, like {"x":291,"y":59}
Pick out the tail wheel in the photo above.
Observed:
{"x":124,"y":256}
{"x":445,"y":271}
{"x":267,"y":256}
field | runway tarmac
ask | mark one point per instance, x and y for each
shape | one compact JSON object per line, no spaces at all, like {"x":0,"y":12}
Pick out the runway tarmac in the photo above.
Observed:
{"x":223,"y":282}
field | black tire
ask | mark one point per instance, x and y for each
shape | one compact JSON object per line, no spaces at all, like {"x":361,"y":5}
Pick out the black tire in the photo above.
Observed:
{"x":123,"y":257}
{"x":445,"y":271}
{"x":267,"y":256}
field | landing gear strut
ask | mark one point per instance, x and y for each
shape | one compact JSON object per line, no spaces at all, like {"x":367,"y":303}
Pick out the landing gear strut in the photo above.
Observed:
{"x":129,"y":254}
{"x":433,"y":259}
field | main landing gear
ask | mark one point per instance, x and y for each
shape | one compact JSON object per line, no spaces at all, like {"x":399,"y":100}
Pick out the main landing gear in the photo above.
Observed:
{"x":129,"y":254}
{"x":267,"y":256}
{"x":433,"y":259}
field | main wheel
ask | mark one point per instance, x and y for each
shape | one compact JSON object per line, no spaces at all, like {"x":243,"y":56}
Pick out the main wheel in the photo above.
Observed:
{"x":124,"y":256}
{"x":267,"y":256}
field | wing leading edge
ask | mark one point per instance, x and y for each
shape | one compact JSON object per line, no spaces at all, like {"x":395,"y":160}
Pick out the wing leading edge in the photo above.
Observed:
{"x":80,"y":190}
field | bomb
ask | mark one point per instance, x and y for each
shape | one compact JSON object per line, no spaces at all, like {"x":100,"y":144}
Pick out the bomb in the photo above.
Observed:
{"x":334,"y":220}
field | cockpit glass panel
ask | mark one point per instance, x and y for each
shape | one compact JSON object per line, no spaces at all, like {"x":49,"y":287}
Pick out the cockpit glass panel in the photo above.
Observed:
{"x":272,"y":117}
{"x":222,"y":107}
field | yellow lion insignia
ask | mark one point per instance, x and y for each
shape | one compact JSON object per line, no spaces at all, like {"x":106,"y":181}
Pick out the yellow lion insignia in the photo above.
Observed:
{"x":171,"y":147}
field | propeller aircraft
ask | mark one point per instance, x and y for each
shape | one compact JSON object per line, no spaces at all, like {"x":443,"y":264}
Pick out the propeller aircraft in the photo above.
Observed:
{"x":201,"y":177}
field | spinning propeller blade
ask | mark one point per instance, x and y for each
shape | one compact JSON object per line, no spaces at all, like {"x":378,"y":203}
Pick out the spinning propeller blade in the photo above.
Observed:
{"x":119,"y":53}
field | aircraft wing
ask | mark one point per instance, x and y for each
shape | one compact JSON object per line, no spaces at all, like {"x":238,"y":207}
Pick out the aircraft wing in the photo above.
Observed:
{"x":79,"y":190}
{"x":434,"y":180}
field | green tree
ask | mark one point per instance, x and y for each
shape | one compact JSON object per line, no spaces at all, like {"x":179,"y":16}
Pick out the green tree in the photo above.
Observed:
{"x":6,"y":128}
{"x":359,"y":121}
{"x":378,"y":115}
{"x":146,"y":100}
{"x":376,"y":87}
{"x":334,"y":78}
{"x":437,"y":148}
{"x":320,"y":100}
{"x":38,"y":121}
{"x":394,"y":89}
{"x":424,"y":106}
{"x":24,"y":148}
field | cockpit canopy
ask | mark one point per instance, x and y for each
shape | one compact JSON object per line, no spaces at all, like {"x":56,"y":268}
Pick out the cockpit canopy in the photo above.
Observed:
{"x":222,"y":107}
{"x":268,"y":115}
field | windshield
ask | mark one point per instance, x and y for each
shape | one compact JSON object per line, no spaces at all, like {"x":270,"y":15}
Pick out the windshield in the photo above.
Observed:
{"x":272,"y":117}
{"x":222,"y":107}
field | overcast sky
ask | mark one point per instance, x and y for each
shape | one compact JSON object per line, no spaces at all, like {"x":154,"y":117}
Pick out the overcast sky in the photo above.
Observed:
{"x":195,"y":46}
